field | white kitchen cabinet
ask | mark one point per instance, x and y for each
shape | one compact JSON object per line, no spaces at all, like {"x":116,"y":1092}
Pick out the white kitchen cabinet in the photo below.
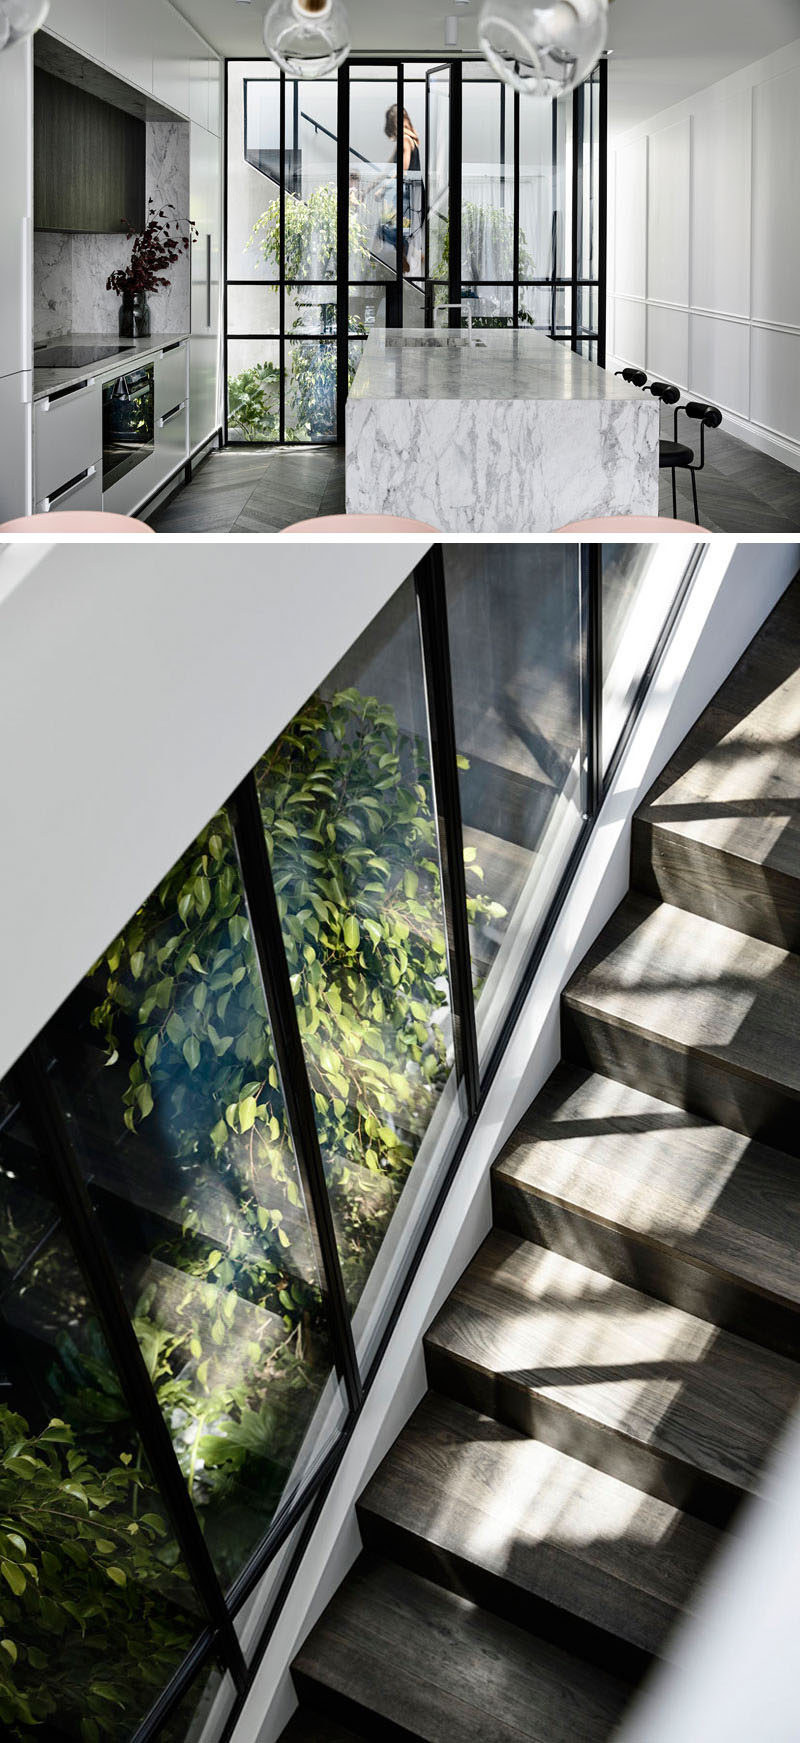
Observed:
{"x":15,"y":444}
{"x":198,"y":85}
{"x":84,"y":491}
{"x":81,"y":22}
{"x":170,"y":384}
{"x":204,"y":343}
{"x":173,"y":48}
{"x":16,"y":209}
{"x":131,"y":31}
{"x":67,"y":437}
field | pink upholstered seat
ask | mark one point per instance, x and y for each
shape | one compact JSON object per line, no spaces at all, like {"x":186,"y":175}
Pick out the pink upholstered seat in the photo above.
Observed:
{"x":632,"y":523}
{"x":75,"y":521}
{"x":360,"y":523}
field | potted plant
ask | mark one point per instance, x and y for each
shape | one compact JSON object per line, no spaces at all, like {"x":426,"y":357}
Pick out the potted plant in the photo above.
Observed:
{"x":162,"y":242}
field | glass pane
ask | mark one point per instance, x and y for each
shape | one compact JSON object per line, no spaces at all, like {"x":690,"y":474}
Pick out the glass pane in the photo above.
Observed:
{"x":487,"y":205}
{"x":373,"y":174}
{"x":168,"y":1077}
{"x":254,"y":308}
{"x":311,"y":390}
{"x":541,"y":189}
{"x":347,"y":811}
{"x":367,"y":304}
{"x":639,"y":586}
{"x":546,"y":308}
{"x":254,"y":169}
{"x":254,"y":390}
{"x":96,"y":1600}
{"x":438,"y":194}
{"x":311,"y":308}
{"x":311,"y":145}
{"x":516,"y":648}
{"x":490,"y":305}
{"x":207,"y":1703}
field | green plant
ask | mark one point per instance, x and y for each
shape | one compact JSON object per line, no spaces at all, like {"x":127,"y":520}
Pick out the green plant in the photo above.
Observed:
{"x":487,"y":254}
{"x":253,"y":402}
{"x":310,"y":235}
{"x":92,"y":1618}
{"x":346,"y":808}
{"x":310,"y":252}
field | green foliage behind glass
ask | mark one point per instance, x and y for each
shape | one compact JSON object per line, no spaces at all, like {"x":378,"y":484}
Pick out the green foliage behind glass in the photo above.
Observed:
{"x":92,"y":1607}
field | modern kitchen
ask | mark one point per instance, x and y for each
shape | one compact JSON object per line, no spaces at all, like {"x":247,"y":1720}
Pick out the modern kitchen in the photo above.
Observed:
{"x":111,"y":181}
{"x":213,"y":320}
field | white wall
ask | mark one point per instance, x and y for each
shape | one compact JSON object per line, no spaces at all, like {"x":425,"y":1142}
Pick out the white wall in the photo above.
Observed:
{"x":732,"y":594}
{"x":134,"y":695}
{"x":704,"y":257}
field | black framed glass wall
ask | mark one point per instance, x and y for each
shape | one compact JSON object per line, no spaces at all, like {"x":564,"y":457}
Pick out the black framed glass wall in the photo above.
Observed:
{"x":494,"y":204}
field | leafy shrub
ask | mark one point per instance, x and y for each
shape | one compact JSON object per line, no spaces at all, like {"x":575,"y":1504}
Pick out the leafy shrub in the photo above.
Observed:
{"x":92,"y":1615}
{"x":253,"y":403}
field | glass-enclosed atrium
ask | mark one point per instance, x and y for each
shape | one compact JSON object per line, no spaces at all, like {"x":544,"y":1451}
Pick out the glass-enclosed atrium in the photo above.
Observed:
{"x":502,"y":223}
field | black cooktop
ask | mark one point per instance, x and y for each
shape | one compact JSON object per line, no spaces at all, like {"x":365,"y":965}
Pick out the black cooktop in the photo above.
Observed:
{"x":74,"y":356}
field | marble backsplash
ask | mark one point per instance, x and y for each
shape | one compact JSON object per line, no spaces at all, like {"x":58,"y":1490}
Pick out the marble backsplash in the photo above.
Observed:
{"x":70,"y":269}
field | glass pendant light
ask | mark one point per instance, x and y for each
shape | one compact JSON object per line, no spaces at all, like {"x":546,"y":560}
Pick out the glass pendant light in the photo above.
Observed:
{"x":543,"y":51}
{"x":20,"y":18}
{"x":307,"y":38}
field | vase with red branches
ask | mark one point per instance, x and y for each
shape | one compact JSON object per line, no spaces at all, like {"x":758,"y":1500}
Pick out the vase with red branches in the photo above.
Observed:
{"x":165,"y":238}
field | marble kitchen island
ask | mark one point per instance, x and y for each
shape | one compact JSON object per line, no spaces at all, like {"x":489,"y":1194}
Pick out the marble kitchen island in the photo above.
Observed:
{"x":496,"y":431}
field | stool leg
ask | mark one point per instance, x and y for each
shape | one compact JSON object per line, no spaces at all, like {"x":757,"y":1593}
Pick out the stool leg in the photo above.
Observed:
{"x":694,"y":494}
{"x":674,"y":495}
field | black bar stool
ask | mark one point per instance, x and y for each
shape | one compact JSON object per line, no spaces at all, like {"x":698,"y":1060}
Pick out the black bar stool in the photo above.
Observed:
{"x":636,"y":377}
{"x":677,"y":454}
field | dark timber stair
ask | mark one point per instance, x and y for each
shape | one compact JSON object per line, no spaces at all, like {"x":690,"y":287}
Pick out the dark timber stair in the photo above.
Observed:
{"x":611,"y":1372}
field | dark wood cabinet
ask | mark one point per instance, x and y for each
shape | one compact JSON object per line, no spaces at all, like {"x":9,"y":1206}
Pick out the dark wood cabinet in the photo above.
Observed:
{"x":89,"y":160}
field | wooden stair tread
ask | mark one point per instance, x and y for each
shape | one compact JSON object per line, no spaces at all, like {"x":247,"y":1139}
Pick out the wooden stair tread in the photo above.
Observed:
{"x":460,"y":1485}
{"x":445,"y":1671}
{"x":645,"y":1166}
{"x":310,"y":1727}
{"x":733,"y":783}
{"x":699,"y":987}
{"x":522,"y":1315}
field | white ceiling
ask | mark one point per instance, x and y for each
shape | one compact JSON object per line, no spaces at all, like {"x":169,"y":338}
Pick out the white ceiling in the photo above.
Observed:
{"x":663,"y":49}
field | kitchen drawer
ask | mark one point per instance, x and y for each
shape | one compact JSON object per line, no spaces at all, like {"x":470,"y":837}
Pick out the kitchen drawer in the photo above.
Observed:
{"x":82,"y":492}
{"x":170,"y":379}
{"x":67,"y":437}
{"x":171,"y":430}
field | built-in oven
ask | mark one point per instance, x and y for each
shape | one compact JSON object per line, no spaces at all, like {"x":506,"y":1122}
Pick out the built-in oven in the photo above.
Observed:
{"x":128,"y":422}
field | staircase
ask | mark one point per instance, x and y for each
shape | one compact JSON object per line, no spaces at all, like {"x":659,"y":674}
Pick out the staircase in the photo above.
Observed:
{"x":609,"y":1375}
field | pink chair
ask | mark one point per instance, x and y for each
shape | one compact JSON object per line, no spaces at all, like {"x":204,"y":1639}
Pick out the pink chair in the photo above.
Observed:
{"x":632,"y":523}
{"x":360,"y":523}
{"x":75,"y":521}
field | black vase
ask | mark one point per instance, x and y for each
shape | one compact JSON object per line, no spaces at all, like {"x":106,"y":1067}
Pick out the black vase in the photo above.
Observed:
{"x":134,"y":315}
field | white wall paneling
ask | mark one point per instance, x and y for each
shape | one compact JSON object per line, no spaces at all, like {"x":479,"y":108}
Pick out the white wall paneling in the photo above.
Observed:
{"x":721,"y":202}
{"x":719,"y":362}
{"x":668,"y":342}
{"x":630,"y":329}
{"x":776,"y":203}
{"x":707,"y":211}
{"x":668,"y":176}
{"x":630,"y":221}
{"x":775,"y":380}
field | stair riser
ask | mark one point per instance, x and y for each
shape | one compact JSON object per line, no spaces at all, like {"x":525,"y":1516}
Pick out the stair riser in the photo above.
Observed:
{"x":705,"y":880}
{"x":623,"y":1658}
{"x":697,"y":1082}
{"x":513,"y":1402}
{"x":365,"y":1723}
{"x":630,"y":1259}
